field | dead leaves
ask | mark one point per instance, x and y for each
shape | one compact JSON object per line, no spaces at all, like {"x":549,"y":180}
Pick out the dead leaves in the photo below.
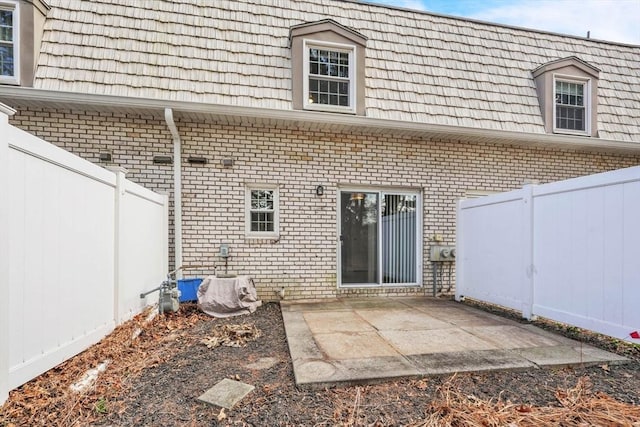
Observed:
{"x":178,"y":322}
{"x":222,"y":415}
{"x":48,"y":400}
{"x":231,"y":335}
{"x":579,"y":407}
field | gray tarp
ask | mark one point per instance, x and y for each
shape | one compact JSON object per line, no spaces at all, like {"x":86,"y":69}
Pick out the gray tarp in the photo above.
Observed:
{"x":226,"y":297}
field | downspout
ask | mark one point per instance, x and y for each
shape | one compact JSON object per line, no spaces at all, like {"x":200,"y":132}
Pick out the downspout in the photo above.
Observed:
{"x":177,"y":190}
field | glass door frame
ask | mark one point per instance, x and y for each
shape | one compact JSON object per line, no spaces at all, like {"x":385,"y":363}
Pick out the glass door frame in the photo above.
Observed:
{"x":381,"y":191}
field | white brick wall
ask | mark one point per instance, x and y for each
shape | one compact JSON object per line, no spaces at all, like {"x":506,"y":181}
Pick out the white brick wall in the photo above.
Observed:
{"x":303,"y":260}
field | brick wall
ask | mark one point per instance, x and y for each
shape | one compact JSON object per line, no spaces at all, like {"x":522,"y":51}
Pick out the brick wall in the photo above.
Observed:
{"x":303,"y":259}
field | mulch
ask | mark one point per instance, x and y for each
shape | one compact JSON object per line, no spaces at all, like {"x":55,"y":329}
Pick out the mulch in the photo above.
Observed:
{"x":155,"y":380}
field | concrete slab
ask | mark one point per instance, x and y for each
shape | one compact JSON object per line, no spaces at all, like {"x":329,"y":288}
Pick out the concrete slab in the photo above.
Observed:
{"x":313,"y":306}
{"x":543,"y":332}
{"x":316,"y":372}
{"x":226,"y":393}
{"x":371,"y":303}
{"x":469,"y":361}
{"x":425,"y":302}
{"x":336,"y":321}
{"x":558,"y":356}
{"x":295,"y":323}
{"x":508,"y":336}
{"x":435,"y":341}
{"x":462,"y":317}
{"x":401,"y":319}
{"x":302,"y":346}
{"x":600,"y":356}
{"x":348,"y":345}
{"x":353,"y":341}
{"x":369,"y":370}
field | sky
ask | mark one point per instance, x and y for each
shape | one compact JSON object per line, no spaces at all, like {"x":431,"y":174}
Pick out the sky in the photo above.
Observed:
{"x":612,"y":20}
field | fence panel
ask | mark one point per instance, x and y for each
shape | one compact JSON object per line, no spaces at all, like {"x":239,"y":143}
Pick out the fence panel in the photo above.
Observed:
{"x":142,"y":250}
{"x":490,"y":253}
{"x":83,"y":243}
{"x":4,"y":254}
{"x":574,"y":260}
{"x":61,"y":255}
{"x":586,"y":252}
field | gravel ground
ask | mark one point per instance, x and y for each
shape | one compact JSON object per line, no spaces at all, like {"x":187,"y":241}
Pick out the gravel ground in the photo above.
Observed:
{"x":163,"y":390}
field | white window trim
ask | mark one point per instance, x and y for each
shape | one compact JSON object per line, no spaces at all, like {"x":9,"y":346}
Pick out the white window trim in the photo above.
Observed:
{"x":587,"y":104}
{"x":15,"y":7}
{"x":276,"y":212}
{"x":419,"y":236}
{"x":351,"y":50}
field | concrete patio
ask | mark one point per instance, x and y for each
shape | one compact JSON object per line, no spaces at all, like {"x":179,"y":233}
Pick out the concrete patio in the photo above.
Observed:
{"x":352,"y":341}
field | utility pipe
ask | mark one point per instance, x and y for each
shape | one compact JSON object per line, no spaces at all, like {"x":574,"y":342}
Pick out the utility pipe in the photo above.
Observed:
{"x":177,"y":190}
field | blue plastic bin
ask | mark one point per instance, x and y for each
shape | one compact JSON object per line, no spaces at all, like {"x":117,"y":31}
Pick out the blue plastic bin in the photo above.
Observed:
{"x":189,"y":289}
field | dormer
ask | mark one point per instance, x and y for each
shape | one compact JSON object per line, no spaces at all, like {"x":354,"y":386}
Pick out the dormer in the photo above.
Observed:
{"x":327,"y":67}
{"x":21,"y":28}
{"x":568,"y":96}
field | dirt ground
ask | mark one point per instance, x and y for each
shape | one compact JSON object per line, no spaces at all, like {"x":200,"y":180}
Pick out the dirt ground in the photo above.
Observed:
{"x":155,"y":380}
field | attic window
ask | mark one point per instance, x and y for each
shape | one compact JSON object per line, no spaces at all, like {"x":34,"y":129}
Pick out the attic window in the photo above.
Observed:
{"x":328,"y":77}
{"x":9,"y":42}
{"x":567,"y":92}
{"x":327,"y":67}
{"x":570,"y":105}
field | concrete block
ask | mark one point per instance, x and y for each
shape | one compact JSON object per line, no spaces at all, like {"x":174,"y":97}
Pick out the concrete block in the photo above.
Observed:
{"x":226,"y":393}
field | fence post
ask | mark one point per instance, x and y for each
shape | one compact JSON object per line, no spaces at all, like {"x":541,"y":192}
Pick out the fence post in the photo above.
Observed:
{"x":460,"y":278}
{"x":5,"y":187}
{"x":120,"y":192}
{"x":528,"y":280}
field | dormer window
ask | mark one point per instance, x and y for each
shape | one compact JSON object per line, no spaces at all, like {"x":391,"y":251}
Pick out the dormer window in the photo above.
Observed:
{"x":9,"y":48}
{"x":571,"y":103}
{"x":328,"y":77}
{"x":327,"y":68}
{"x":567,"y":91}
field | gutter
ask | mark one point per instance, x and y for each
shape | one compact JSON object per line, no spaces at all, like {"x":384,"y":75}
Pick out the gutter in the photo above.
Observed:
{"x":177,"y":190}
{"x":18,"y":95}
{"x":5,"y":109}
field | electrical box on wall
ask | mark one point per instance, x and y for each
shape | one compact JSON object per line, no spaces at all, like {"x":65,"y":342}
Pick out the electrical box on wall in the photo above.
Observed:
{"x":443,"y":253}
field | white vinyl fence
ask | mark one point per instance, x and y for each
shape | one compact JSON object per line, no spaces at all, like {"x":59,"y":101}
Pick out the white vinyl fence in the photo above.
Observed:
{"x":568,"y":251}
{"x":79,"y":244}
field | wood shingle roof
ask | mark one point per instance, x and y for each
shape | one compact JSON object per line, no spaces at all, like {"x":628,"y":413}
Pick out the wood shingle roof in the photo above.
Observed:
{"x":420,"y":67}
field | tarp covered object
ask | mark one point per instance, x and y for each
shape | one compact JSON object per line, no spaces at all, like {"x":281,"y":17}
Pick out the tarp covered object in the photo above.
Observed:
{"x":226,"y":297}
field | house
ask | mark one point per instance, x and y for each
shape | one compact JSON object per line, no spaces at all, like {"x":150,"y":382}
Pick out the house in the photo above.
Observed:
{"x":324,"y":144}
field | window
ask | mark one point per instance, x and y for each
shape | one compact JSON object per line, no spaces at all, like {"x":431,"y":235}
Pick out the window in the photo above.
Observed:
{"x":329,"y":76}
{"x":8,"y":43}
{"x":568,"y":96}
{"x":327,"y":67}
{"x":262,"y":219}
{"x":570,"y":106}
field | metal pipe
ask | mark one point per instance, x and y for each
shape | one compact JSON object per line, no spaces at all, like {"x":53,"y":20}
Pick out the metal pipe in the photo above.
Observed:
{"x":177,"y":190}
{"x":435,"y":277}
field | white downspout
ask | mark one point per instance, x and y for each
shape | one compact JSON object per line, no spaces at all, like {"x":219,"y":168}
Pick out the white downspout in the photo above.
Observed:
{"x":177,"y":190}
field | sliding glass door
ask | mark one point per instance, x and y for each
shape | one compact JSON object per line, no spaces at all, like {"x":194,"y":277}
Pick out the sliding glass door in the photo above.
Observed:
{"x":379,"y":238}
